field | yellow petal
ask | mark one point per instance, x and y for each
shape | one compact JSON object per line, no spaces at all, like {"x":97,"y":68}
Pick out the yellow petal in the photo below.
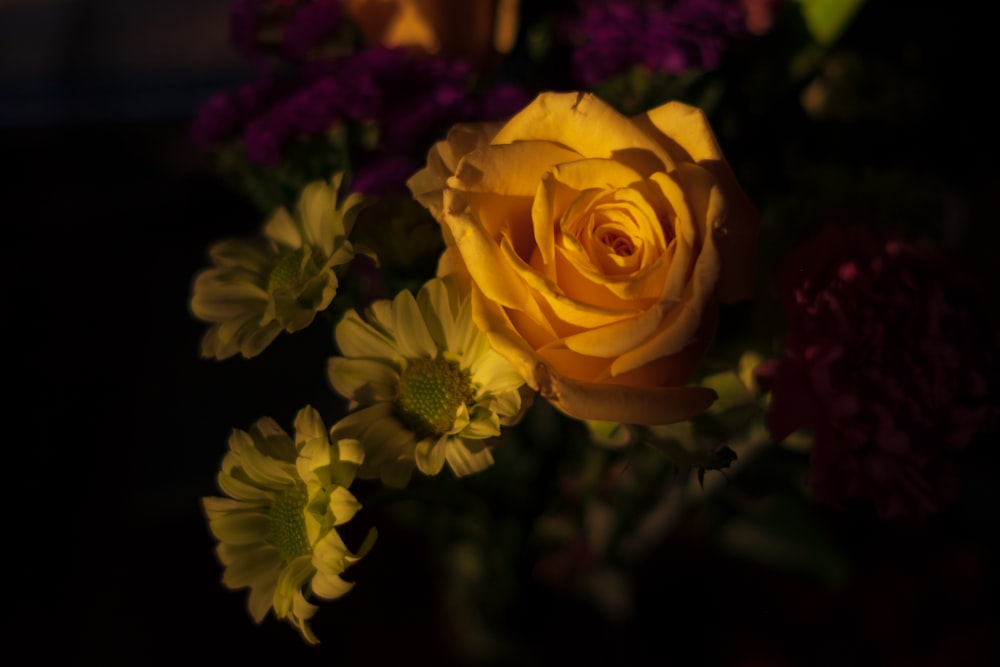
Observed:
{"x":317,"y":209}
{"x":241,"y":527}
{"x":254,"y":565}
{"x":282,"y":228}
{"x":430,"y":454}
{"x":330,"y":586}
{"x":616,"y":338}
{"x":463,"y":461}
{"x":357,"y":338}
{"x":493,"y":321}
{"x":484,"y":261}
{"x":627,"y":405}
{"x":308,"y":426}
{"x":586,"y":124}
{"x":637,"y":292}
{"x":498,"y":215}
{"x":568,"y":310}
{"x":412,"y":336}
{"x":261,"y":597}
{"x":365,"y":379}
{"x":509,"y":169}
{"x":314,"y":454}
{"x":680,"y":126}
{"x":343,"y":505}
{"x":685,"y":318}
{"x":442,"y":161}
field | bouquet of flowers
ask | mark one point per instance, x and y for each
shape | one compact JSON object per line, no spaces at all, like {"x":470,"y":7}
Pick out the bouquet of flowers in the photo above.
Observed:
{"x":579,"y":294}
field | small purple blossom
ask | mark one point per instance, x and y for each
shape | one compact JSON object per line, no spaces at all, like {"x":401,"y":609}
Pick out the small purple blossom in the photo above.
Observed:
{"x":408,"y":98}
{"x":215,"y":120}
{"x":503,"y":101}
{"x":224,"y":114}
{"x":310,"y":25}
{"x":668,"y":36}
{"x":383,"y":174}
{"x":264,"y":30}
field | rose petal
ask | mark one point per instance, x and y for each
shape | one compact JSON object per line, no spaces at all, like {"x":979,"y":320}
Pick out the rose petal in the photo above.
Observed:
{"x":627,"y":405}
{"x":482,"y":257}
{"x":586,"y":124}
{"x":504,"y":338}
{"x":442,"y":161}
{"x":569,"y":311}
{"x":681,"y":127}
{"x":509,"y":169}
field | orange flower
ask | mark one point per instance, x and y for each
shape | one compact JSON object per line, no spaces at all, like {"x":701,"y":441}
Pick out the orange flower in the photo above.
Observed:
{"x":478,"y":31}
{"x":597,"y":248}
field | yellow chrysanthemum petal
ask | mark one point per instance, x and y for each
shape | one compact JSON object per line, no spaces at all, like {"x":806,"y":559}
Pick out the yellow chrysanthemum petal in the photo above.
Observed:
{"x":330,"y":586}
{"x":272,"y":543}
{"x":451,"y":388}
{"x":465,"y":461}
{"x":343,"y":505}
{"x":278,"y":282}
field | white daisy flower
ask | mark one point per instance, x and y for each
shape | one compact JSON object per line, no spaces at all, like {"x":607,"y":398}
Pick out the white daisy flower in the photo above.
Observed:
{"x":259,"y":287}
{"x":276,"y":528}
{"x":425,"y":385}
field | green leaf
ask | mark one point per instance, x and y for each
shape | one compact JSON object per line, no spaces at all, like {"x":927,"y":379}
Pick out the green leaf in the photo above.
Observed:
{"x":826,"y":20}
{"x":733,"y":410}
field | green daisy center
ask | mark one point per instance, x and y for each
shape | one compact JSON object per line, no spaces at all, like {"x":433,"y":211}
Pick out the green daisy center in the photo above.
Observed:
{"x":286,"y":272}
{"x":430,"y":391}
{"x":288,"y":523}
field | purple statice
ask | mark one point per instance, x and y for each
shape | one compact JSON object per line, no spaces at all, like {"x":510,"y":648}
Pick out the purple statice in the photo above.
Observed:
{"x":263,"y":30}
{"x":418,"y":94}
{"x":215,"y":120}
{"x":309,"y":26}
{"x":502,"y":101}
{"x":382,"y":173}
{"x":244,"y":26}
{"x":409,"y":99}
{"x":387,"y":169}
{"x":223,"y":116}
{"x":309,"y":105}
{"x":672,"y":36}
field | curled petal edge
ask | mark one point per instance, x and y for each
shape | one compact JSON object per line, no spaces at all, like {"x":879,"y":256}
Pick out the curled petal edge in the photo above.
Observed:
{"x":648,"y":406}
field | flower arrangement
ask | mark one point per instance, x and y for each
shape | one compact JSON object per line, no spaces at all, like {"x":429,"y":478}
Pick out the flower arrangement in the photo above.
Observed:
{"x":551,"y":289}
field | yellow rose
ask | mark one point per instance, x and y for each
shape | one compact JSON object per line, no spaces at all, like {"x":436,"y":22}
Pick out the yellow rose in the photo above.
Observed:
{"x":477,"y":30}
{"x":597,"y":248}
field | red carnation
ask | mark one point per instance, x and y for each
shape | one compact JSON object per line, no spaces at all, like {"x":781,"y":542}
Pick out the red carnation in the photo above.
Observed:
{"x":887,"y":364}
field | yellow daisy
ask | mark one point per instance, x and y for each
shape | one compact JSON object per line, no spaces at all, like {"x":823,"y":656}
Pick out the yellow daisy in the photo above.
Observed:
{"x":276,"y":528}
{"x":425,"y":385}
{"x":259,"y":287}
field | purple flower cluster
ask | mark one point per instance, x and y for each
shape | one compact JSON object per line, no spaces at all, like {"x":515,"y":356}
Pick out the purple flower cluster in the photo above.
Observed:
{"x":409,"y":98}
{"x":671,"y":36}
{"x":887,"y":364}
{"x":286,"y":29}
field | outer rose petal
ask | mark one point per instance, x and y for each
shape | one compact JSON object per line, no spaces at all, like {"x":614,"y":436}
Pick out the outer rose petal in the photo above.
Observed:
{"x":442,"y":161}
{"x":584,"y":123}
{"x":684,"y":128}
{"x":629,"y":405}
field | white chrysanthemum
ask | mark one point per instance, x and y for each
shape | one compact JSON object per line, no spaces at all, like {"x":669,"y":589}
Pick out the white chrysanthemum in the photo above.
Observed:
{"x":276,"y":529}
{"x":260,"y":287}
{"x":425,"y":385}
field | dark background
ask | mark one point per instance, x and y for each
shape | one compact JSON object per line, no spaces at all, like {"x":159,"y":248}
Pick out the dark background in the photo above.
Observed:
{"x":117,"y":427}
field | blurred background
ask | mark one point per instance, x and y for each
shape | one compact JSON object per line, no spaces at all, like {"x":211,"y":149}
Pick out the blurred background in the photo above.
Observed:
{"x":117,"y":427}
